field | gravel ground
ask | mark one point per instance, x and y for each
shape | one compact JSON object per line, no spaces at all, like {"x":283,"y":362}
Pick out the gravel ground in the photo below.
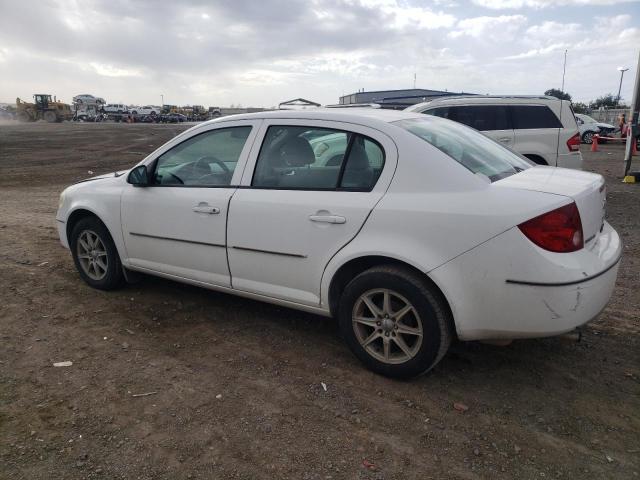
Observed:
{"x":171,"y":381}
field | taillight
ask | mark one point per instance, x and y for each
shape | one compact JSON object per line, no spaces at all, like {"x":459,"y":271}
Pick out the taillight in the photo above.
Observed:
{"x":559,"y":230}
{"x":574,"y":143}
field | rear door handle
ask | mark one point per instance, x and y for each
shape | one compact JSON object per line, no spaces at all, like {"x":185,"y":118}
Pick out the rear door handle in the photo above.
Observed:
{"x":327,"y":218}
{"x":504,"y":139}
{"x":204,"y":207}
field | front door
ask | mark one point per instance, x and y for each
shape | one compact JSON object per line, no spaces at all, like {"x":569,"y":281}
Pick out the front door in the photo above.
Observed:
{"x":177,"y":225}
{"x":312,"y":188}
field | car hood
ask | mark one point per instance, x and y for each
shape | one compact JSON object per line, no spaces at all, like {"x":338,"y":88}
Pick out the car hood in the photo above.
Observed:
{"x":605,"y":125}
{"x":104,"y":176}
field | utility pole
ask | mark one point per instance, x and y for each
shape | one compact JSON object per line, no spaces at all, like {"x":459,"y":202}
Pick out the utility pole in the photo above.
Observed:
{"x":621,"y":70}
{"x":633,"y":117}
{"x":564,"y":69}
{"x":414,"y":80}
{"x":162,"y":97}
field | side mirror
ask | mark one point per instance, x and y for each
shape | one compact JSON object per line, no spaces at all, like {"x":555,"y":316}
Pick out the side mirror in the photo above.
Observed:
{"x":139,"y":176}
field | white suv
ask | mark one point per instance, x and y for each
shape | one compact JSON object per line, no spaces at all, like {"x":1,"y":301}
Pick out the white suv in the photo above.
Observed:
{"x":543,"y":129}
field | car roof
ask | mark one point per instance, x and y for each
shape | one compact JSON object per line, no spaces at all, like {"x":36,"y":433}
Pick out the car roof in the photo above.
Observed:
{"x":348,"y":115}
{"x":486,"y":99}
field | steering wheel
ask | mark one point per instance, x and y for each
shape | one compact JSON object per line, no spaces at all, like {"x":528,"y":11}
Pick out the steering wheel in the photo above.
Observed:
{"x":203,"y":163}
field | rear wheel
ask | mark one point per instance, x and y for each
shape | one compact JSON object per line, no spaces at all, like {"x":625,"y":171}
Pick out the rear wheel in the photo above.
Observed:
{"x":587,"y":137}
{"x":394,"y":321}
{"x":95,"y":255}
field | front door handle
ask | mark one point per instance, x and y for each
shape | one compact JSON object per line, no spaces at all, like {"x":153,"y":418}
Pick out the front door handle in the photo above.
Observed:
{"x":204,"y":207}
{"x":327,"y":218}
{"x":504,"y":139}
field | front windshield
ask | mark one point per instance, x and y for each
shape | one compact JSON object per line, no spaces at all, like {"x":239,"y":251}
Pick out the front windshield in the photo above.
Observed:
{"x":467,"y":146}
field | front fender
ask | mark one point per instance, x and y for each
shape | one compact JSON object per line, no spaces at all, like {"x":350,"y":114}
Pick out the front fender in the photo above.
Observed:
{"x":100,"y":198}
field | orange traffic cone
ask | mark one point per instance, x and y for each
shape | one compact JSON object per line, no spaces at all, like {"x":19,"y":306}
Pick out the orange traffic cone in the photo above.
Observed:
{"x":594,"y":143}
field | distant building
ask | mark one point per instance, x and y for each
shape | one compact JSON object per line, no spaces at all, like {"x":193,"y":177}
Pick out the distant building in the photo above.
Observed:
{"x":396,"y":99}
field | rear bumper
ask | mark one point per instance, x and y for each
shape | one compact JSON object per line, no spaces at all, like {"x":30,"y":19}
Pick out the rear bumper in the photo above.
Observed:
{"x":508,"y":288}
{"x":570,"y":160}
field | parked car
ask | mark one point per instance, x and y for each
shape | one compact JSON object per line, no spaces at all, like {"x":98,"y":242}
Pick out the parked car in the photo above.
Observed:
{"x":146,"y":110}
{"x":173,"y":118}
{"x":425,"y":230}
{"x":150,"y":119}
{"x":88,"y":99}
{"x":115,"y":108}
{"x":543,"y":129}
{"x":589,"y":126}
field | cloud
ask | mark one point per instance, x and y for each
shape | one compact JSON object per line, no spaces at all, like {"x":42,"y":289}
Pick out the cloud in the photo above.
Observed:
{"x":538,"y":52}
{"x":538,"y":4}
{"x":491,"y":27}
{"x":233,"y":51}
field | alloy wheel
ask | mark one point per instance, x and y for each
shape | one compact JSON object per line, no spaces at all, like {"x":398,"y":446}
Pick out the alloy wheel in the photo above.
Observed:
{"x":387,"y":326}
{"x":92,"y":255}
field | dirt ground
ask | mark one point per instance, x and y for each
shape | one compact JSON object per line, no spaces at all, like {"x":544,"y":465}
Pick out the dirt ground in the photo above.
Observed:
{"x":235,"y":387}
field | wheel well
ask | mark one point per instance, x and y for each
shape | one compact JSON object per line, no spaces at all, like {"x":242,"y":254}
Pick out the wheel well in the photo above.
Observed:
{"x":75,"y":217}
{"x":355,"y":267}
{"x":536,"y":159}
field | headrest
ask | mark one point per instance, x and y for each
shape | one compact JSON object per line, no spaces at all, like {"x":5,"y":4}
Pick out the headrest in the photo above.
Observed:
{"x":297,"y":152}
{"x":358,"y":159}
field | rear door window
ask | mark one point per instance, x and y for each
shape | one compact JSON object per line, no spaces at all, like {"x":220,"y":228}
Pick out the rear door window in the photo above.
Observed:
{"x":313,"y":158}
{"x":481,"y":117}
{"x":533,"y":116}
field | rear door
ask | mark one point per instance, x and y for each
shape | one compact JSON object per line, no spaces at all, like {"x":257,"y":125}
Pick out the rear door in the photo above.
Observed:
{"x":536,"y":130}
{"x":304,"y":195}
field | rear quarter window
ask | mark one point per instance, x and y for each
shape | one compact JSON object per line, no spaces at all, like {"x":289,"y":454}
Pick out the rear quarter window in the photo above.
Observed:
{"x":473,"y":150}
{"x":533,"y":116}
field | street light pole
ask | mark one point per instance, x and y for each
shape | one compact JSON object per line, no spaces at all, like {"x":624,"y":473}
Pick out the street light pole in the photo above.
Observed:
{"x":621,"y":70}
{"x":634,"y":123}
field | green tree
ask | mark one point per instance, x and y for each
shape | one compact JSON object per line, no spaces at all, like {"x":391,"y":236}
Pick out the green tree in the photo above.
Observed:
{"x":554,"y":92}
{"x":580,"y":107}
{"x":608,"y":101}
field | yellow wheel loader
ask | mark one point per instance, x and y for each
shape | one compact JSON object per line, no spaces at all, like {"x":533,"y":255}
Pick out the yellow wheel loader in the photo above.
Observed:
{"x":43,"y":108}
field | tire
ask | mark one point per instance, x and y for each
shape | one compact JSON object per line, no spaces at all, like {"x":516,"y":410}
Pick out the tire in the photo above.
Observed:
{"x":96,"y":276}
{"x":536,"y":159}
{"x":135,"y":112}
{"x":50,"y":116}
{"x":429,"y":314}
{"x":587,"y":137}
{"x":23,"y":117}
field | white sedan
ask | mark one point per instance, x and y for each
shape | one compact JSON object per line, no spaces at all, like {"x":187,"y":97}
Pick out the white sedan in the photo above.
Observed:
{"x":412,"y":230}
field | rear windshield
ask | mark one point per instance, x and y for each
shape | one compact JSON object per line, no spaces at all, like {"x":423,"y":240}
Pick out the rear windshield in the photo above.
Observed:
{"x":468,"y":147}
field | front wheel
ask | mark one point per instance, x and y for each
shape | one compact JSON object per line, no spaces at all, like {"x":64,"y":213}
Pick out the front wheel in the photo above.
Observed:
{"x":50,"y":116}
{"x":95,"y":255}
{"x":587,"y":137}
{"x":394,"y":321}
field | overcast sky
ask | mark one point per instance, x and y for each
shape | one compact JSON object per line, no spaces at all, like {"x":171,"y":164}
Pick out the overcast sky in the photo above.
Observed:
{"x":259,"y":53}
